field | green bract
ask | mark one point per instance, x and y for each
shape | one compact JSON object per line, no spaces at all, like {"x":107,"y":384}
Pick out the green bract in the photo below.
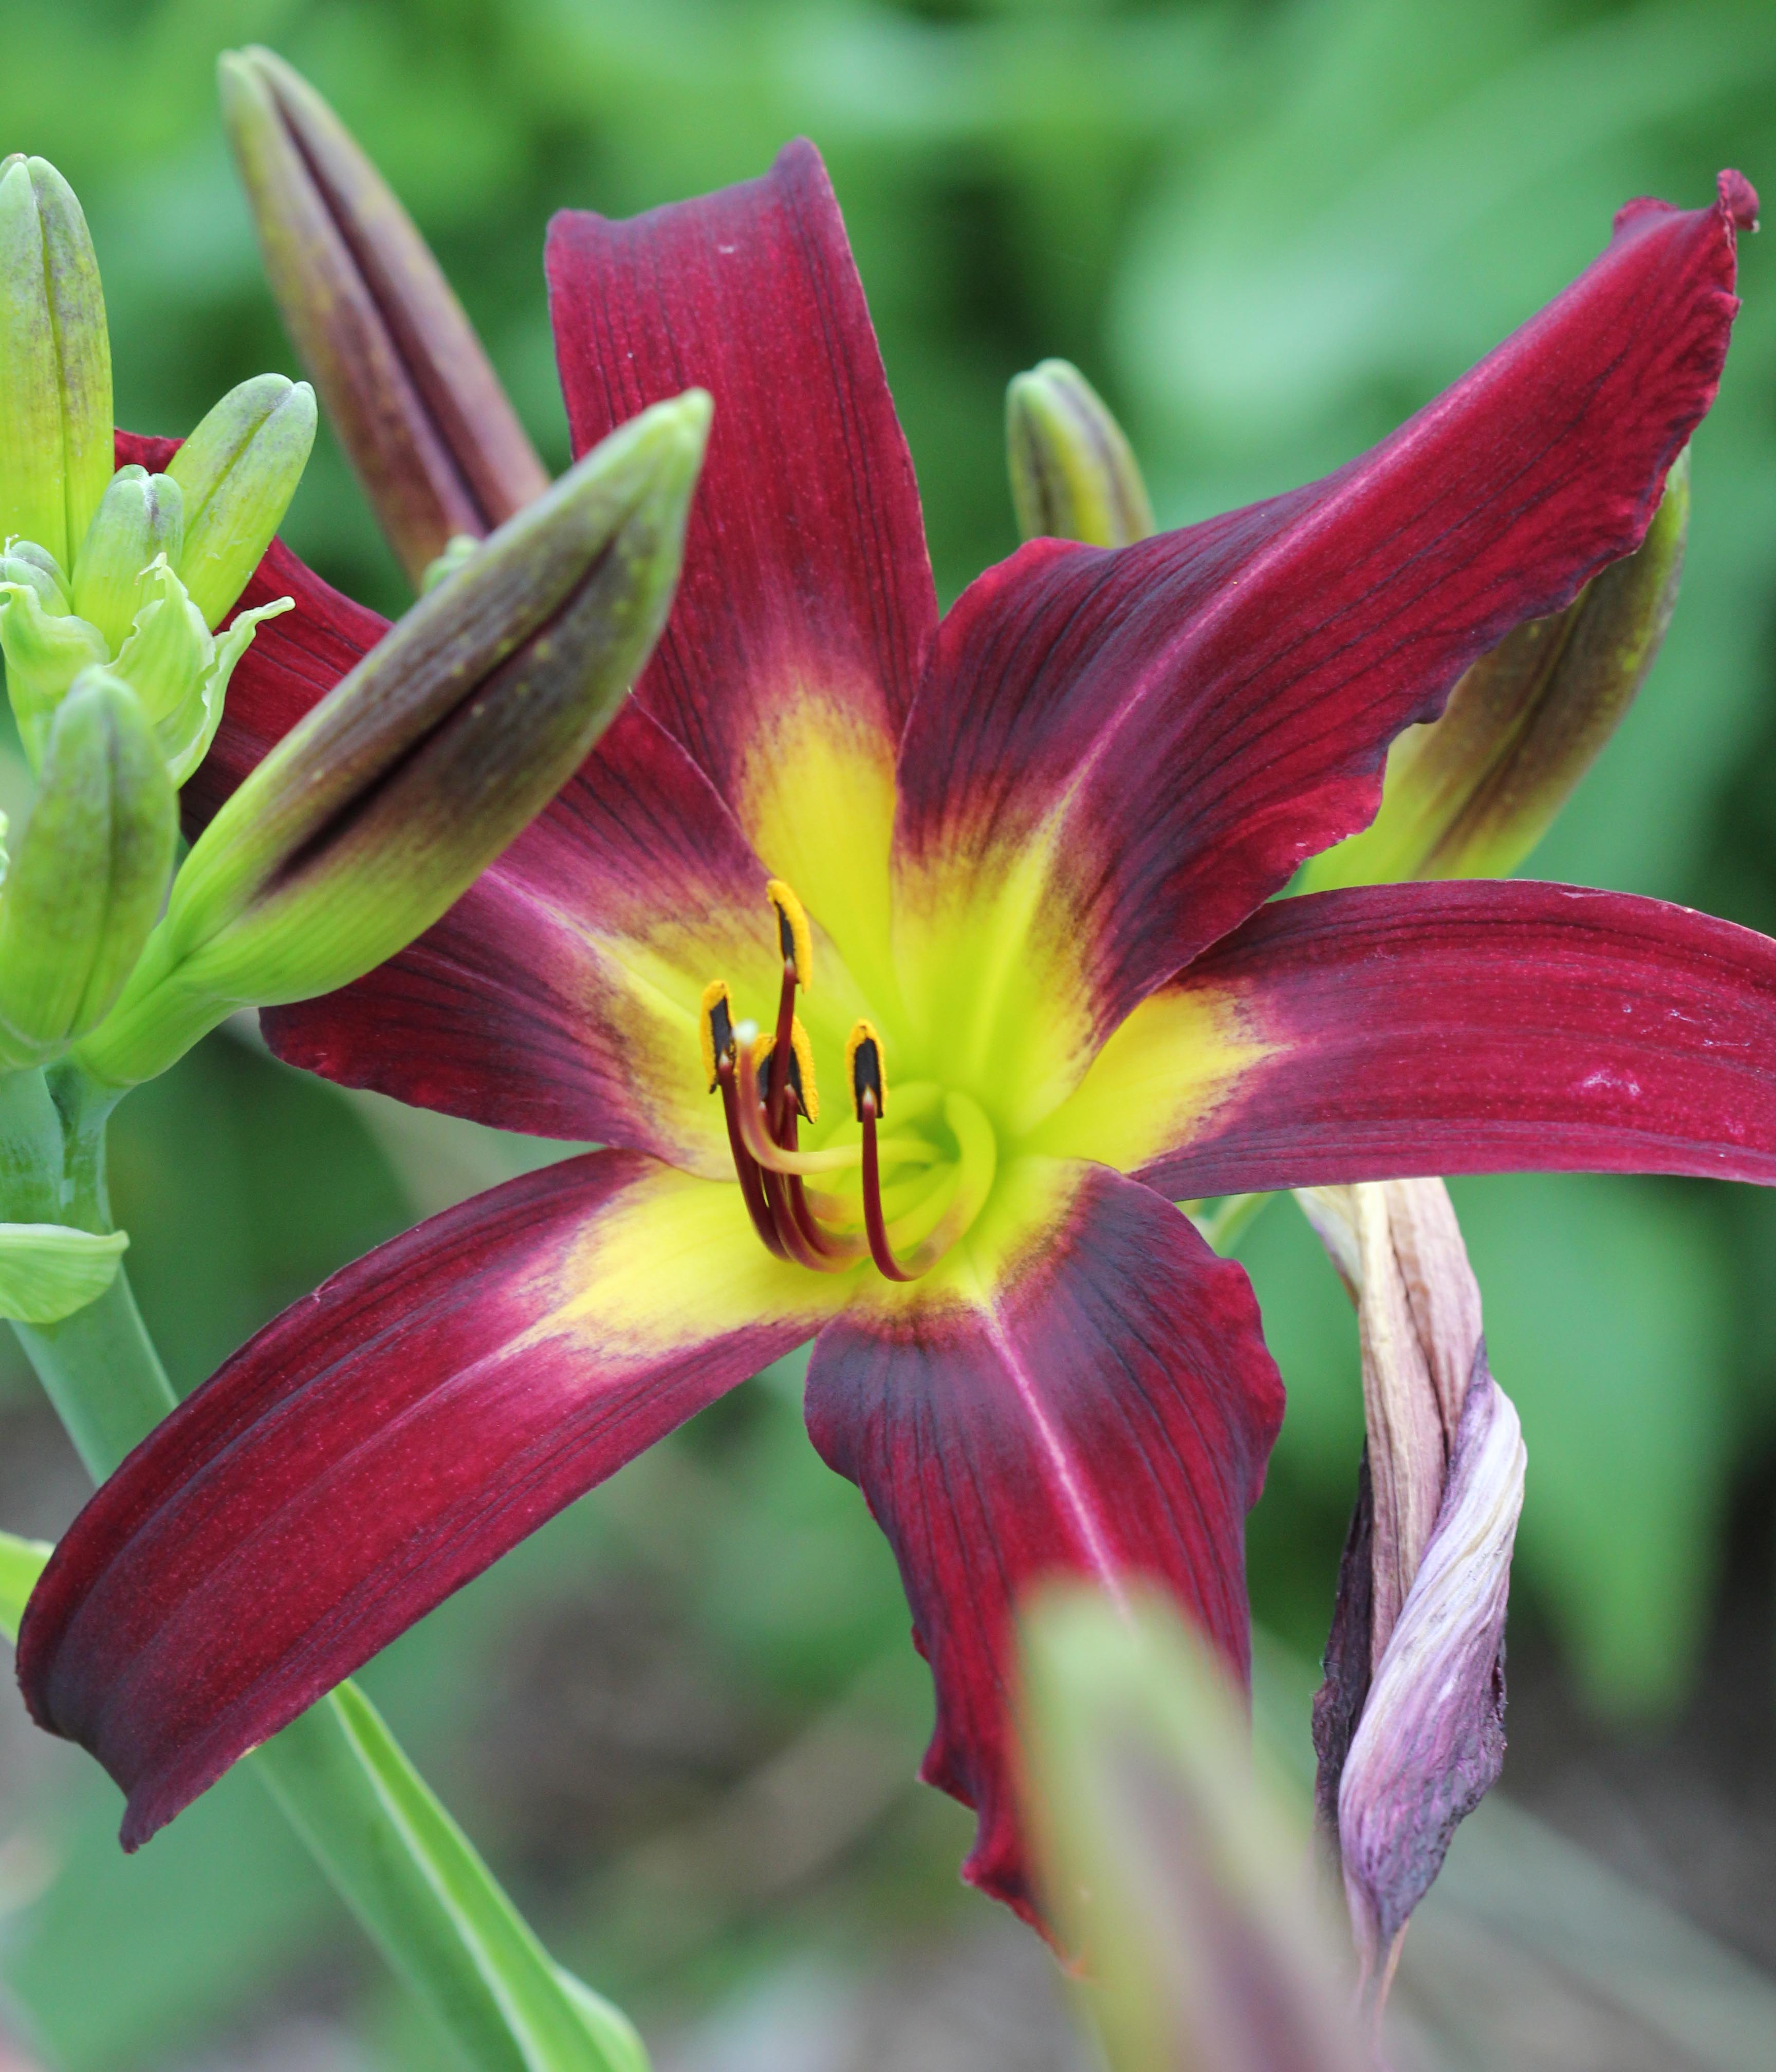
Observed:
{"x":82,"y":891}
{"x":48,"y":1271}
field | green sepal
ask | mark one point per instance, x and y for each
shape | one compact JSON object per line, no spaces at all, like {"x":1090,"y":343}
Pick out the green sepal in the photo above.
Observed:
{"x":47,"y":1271}
{"x":1471,"y":795}
{"x":140,"y":516}
{"x":374,"y":814}
{"x":239,"y":470}
{"x":82,"y":893}
{"x":55,"y":421}
{"x":1074,"y":475}
{"x":21,"y":1562}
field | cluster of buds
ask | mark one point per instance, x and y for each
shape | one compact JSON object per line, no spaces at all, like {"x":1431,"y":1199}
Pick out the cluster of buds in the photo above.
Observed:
{"x":119,"y":570}
{"x":373,"y":815}
{"x":1409,"y":1724}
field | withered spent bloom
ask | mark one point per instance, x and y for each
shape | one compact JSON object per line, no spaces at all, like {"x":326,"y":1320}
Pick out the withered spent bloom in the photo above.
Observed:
{"x":1409,"y":1724}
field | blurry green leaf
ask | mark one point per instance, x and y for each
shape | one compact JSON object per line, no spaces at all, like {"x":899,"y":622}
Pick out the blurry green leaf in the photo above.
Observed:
{"x":21,"y":1563}
{"x":436,"y":1910}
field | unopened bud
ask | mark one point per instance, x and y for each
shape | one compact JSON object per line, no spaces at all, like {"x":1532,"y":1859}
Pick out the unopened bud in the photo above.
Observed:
{"x":82,"y":893}
{"x":46,"y":645}
{"x":1471,"y":794}
{"x":56,"y":433}
{"x":238,"y":471}
{"x":1409,"y":1724}
{"x":373,"y":816}
{"x":1073,"y":473}
{"x":408,"y":387}
{"x":1170,"y":1864}
{"x":140,"y":516}
{"x":48,"y":1271}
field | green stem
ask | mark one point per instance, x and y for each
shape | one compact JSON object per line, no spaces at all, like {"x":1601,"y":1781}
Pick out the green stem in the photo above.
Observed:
{"x":392,"y":1851}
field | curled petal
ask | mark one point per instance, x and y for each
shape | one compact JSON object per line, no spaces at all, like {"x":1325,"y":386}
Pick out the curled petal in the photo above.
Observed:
{"x":1432,"y":1739}
{"x":1123,"y":753}
{"x":1087,"y":1394}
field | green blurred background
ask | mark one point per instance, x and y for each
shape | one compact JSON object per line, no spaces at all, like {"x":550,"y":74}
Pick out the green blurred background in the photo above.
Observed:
{"x":682,"y":1718}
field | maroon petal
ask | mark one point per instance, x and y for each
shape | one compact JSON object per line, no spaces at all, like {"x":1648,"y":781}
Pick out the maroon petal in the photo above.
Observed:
{"x":1173,"y":726}
{"x":807,"y":608}
{"x":381,"y":1443}
{"x":1456,"y":1028}
{"x":1104,"y":1407}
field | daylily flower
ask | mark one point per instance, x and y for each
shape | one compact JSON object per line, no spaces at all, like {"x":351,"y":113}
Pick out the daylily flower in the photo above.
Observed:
{"x":999,"y":883}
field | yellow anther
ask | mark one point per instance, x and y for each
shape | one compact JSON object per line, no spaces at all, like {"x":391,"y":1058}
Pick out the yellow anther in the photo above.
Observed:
{"x":801,"y":1067}
{"x":715,"y":1027}
{"x":793,"y":932}
{"x":863,"y":1067}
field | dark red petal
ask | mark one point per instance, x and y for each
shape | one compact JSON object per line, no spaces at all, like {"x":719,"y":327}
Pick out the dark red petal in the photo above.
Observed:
{"x":807,"y":599}
{"x":1105,"y":1411}
{"x":378,"y":1445}
{"x":1483,"y":1028}
{"x":1184,"y":720}
{"x":559,"y":997}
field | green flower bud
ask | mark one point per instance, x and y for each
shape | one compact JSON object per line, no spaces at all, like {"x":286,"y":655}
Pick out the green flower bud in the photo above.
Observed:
{"x":25,"y":562}
{"x":55,"y":428}
{"x":139,"y":517}
{"x":239,"y":471}
{"x":47,"y":1271}
{"x":1470,"y":795}
{"x":374,"y":815}
{"x":81,"y":894}
{"x":409,"y":390}
{"x":46,"y":647}
{"x":1169,"y":1863}
{"x":179,"y":669}
{"x":1073,"y":473}
{"x":447,"y":563}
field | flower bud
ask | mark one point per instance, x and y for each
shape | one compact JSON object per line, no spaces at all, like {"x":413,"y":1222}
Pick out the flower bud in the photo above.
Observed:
{"x":238,"y":471}
{"x":373,"y":816}
{"x":55,"y":452}
{"x":46,"y":645}
{"x":1471,"y":794}
{"x":1169,"y":1862}
{"x":411,"y":394}
{"x":1073,"y":473}
{"x":140,"y":516}
{"x":48,"y":1271}
{"x":82,"y":891}
{"x":1409,"y":1724}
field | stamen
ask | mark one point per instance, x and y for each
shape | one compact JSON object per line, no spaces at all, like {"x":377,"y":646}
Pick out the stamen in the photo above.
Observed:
{"x":863,"y":1067}
{"x":715,"y":1028}
{"x":776,"y":1157}
{"x":793,"y":932}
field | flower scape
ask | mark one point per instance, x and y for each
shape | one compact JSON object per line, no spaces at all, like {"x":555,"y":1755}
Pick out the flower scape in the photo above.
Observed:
{"x":907,"y":969}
